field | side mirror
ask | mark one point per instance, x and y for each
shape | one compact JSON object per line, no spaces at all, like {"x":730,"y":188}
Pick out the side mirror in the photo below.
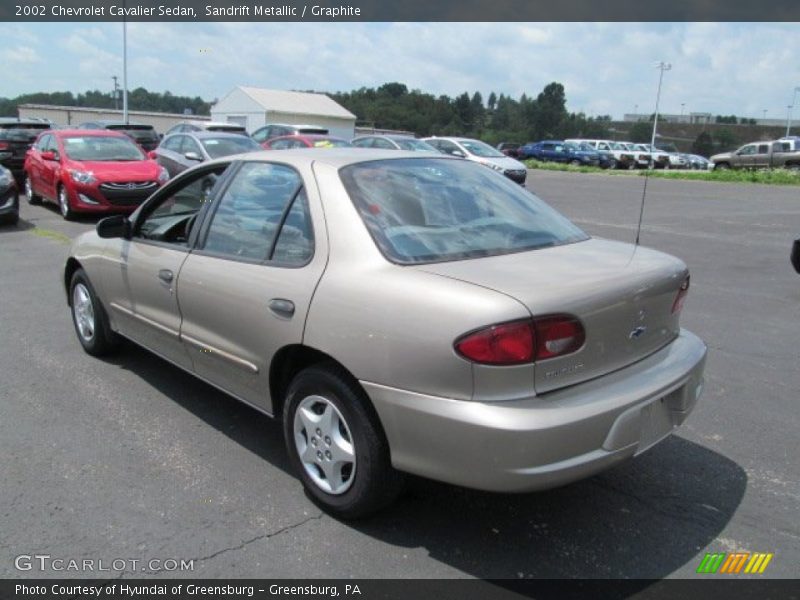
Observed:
{"x":795,"y":257}
{"x":49,"y":155}
{"x":152,"y":155}
{"x":193,"y":156}
{"x":117,"y":226}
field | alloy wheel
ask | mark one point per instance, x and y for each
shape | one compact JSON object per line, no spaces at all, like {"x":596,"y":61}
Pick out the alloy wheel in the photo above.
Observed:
{"x":325,"y":445}
{"x":83,"y":311}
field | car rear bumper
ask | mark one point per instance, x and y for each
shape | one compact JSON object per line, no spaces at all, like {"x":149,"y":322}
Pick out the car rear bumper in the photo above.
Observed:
{"x":545,"y":441}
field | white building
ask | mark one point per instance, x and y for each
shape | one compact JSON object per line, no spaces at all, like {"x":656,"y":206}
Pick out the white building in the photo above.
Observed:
{"x":255,"y":107}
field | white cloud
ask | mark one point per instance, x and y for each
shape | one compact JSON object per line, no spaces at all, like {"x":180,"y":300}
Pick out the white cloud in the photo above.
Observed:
{"x":21,"y":56}
{"x":722,"y":68}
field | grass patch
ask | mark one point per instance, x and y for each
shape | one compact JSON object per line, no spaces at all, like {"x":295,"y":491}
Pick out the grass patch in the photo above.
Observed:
{"x":50,"y":234}
{"x":554,"y":166}
{"x":765,"y":176}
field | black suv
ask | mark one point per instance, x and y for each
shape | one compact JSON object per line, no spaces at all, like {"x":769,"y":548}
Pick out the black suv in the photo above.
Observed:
{"x":16,"y":136}
{"x":144,"y":135}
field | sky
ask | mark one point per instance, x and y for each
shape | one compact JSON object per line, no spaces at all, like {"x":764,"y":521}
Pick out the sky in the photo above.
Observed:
{"x":606,"y":68}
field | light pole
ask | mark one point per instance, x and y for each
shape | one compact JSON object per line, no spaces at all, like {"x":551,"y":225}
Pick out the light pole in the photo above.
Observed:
{"x":636,"y":111}
{"x":765,"y":115}
{"x":124,"y":66}
{"x":789,"y":111}
{"x":683,"y":105}
{"x":661,"y":66}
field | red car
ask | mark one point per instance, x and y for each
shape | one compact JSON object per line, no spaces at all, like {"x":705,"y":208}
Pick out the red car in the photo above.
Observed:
{"x":90,"y":171}
{"x":305,"y":140}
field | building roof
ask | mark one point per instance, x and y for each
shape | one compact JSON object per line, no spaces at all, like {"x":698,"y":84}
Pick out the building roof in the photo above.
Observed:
{"x":305,"y":103}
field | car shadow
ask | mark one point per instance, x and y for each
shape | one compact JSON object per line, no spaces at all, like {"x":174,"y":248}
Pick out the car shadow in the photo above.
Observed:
{"x":644,"y":519}
{"x":21,"y":225}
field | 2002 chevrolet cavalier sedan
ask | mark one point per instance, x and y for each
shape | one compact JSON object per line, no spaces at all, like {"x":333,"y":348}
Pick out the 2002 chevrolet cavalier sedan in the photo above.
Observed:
{"x":400,"y":313}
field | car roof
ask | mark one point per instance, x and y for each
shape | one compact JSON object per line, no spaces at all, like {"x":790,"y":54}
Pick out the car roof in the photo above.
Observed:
{"x":87,"y":133}
{"x":15,"y":120}
{"x":204,"y":135}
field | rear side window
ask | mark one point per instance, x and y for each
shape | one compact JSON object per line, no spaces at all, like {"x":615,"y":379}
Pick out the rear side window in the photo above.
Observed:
{"x":263,"y":216}
{"x":435,"y":210}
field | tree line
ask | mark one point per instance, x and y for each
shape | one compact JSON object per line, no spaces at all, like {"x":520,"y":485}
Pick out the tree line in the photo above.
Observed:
{"x":138,"y":99}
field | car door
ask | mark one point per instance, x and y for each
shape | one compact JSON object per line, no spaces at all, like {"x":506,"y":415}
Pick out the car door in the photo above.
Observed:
{"x":761,"y":156}
{"x":744,"y":156}
{"x":246,"y":289}
{"x":35,"y":162}
{"x":141,"y":272}
{"x":50,"y":170}
{"x":169,"y":153}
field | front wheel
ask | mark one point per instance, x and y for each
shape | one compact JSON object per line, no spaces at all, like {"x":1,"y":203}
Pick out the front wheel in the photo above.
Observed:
{"x":89,"y":317}
{"x":337,"y":445}
{"x":612,"y":164}
{"x":722,"y":167}
{"x":575,"y":163}
{"x":63,"y":204}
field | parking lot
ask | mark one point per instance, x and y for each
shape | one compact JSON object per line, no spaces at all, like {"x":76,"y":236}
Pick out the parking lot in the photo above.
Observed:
{"x":132,"y":458}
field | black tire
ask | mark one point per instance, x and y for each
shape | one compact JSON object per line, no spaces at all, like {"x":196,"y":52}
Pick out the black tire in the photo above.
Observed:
{"x":63,"y":204}
{"x":722,"y":167}
{"x":632,"y":165}
{"x":29,"y":193}
{"x":375,"y":483}
{"x":575,"y":163}
{"x":102,"y":340}
{"x":612,"y":164}
{"x":11,"y":219}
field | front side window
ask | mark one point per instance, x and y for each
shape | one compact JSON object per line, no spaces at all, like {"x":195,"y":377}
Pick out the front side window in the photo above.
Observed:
{"x":171,"y":218}
{"x":363,"y":143}
{"x":173,"y":143}
{"x":225,"y":146}
{"x":263,"y":216}
{"x":435,"y":210}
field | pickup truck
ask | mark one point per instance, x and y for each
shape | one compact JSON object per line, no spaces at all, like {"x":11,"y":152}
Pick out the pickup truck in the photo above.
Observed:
{"x":784,"y":152}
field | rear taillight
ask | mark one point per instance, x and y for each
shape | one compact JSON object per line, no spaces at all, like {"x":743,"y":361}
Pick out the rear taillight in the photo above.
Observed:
{"x":557,"y":335}
{"x":4,"y":146}
{"x":683,"y":291}
{"x":520,"y":342}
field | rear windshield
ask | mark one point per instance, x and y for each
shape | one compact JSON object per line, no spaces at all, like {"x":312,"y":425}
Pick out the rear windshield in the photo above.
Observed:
{"x":142,"y":132}
{"x":217,"y":147}
{"x":101,"y":148}
{"x":435,"y":210}
{"x":227,"y":129}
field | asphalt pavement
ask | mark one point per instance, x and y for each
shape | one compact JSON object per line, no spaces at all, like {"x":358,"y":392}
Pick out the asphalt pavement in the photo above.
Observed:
{"x":131,"y":458}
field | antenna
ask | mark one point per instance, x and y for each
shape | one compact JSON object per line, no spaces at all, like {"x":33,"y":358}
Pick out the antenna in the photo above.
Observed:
{"x":661,"y":66}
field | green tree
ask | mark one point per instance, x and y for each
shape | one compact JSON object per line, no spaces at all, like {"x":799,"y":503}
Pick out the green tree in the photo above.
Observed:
{"x":641,"y":132}
{"x":703,"y":144}
{"x":726,"y":140}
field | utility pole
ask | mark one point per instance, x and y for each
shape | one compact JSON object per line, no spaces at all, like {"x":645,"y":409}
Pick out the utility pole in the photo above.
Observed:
{"x":116,"y":92}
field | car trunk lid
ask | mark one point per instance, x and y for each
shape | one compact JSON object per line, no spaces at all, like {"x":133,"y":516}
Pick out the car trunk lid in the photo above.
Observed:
{"x":623,"y":295}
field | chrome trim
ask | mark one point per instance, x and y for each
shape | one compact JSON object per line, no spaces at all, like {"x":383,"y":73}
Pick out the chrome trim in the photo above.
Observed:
{"x":240,"y":362}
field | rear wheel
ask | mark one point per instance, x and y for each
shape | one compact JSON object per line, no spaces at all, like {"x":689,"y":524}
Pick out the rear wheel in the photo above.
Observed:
{"x":32,"y":197}
{"x":336,"y":443}
{"x":63,"y":204}
{"x":89,"y":317}
{"x":722,"y":167}
{"x":612,"y":164}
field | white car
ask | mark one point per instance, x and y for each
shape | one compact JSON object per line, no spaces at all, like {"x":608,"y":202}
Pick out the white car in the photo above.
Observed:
{"x":625,"y":158}
{"x":480,"y":152}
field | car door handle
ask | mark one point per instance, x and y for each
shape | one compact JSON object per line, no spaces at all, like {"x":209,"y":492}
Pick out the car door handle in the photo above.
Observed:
{"x":165,"y":275}
{"x":282,"y":308}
